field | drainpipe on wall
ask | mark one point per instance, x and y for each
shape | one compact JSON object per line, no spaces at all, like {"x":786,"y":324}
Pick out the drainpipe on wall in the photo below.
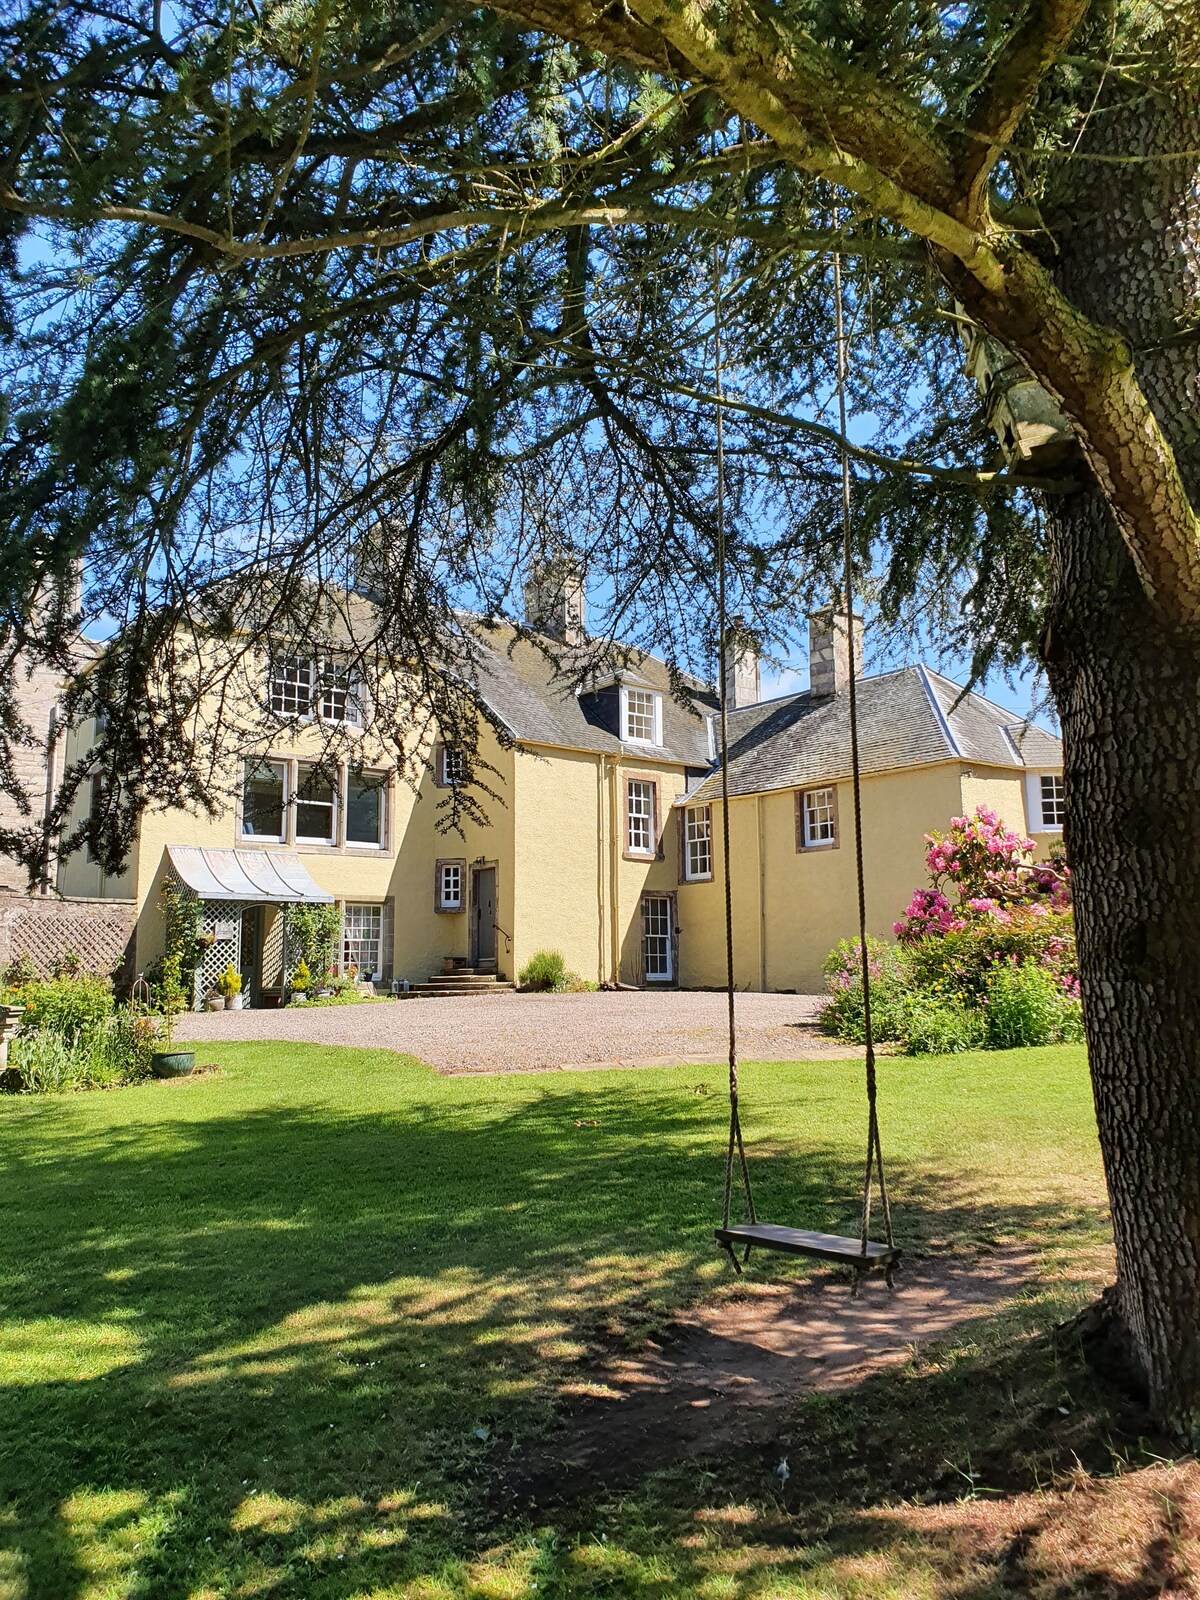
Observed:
{"x":601,"y":860}
{"x":614,"y":859}
{"x":762,"y":897}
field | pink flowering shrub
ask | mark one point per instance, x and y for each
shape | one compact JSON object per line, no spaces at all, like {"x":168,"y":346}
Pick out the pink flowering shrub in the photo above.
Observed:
{"x":981,"y":869}
{"x":991,"y":924}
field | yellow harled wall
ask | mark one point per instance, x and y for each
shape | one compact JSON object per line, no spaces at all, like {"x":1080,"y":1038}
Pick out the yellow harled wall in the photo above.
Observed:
{"x":791,"y":907}
{"x":555,"y":833}
{"x":576,"y":891}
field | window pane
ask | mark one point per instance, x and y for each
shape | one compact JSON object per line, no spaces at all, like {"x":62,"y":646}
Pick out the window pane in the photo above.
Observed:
{"x":698,"y":842}
{"x":818,"y":816}
{"x":291,"y":685}
{"x":362,"y":939}
{"x":315,"y":806}
{"x":1054,"y":808}
{"x":338,"y":700}
{"x":451,"y":889}
{"x":454,"y":767}
{"x":639,"y":715}
{"x":641,"y":817}
{"x":364,"y":810}
{"x":262,"y":800}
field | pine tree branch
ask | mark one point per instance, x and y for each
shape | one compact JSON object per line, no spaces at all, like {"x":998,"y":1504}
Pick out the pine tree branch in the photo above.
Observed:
{"x":515,"y":223}
{"x":1008,"y":91}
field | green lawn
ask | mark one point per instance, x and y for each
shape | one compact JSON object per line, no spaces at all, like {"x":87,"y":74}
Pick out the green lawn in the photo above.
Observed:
{"x":279,"y":1330}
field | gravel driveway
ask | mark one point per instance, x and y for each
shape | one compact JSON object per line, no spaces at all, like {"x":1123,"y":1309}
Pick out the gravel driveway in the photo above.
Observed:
{"x":533,"y":1032}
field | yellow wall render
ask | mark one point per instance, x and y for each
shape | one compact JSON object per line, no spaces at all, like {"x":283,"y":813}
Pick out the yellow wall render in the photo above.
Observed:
{"x":576,"y":893}
{"x":425,"y":936}
{"x":791,"y":907}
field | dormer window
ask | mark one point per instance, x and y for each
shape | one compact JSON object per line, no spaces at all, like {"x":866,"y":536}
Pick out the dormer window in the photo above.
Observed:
{"x":641,"y":716}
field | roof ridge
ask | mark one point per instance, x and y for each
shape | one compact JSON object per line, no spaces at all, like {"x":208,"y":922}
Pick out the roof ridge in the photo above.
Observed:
{"x":1012,"y":719}
{"x":943,"y":720}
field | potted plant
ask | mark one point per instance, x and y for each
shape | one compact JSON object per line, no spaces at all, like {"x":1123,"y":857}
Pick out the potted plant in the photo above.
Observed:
{"x":301,"y":979}
{"x":214,"y":1000}
{"x":168,"y":1062}
{"x":230,"y":985}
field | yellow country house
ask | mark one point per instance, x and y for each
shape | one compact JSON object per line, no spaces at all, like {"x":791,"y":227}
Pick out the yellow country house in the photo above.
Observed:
{"x":601,"y":839}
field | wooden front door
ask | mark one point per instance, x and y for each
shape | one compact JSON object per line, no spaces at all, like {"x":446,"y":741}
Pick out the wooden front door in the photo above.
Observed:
{"x":483,"y":915}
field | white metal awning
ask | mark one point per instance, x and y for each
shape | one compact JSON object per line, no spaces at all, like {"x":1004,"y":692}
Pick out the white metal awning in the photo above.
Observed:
{"x":274,"y":876}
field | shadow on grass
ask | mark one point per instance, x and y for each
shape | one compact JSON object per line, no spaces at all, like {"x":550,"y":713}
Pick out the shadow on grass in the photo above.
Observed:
{"x":278,"y":1352}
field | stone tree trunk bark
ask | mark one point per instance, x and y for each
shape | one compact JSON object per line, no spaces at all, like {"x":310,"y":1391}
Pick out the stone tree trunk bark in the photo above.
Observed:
{"x":1128,"y":694}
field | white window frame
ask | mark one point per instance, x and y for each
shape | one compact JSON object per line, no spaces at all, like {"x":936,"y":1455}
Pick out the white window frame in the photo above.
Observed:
{"x":365,"y":780}
{"x":312,"y":693}
{"x":820,"y":820}
{"x":454,"y":768}
{"x":1036,"y":801}
{"x":666,"y":935}
{"x":285,"y":768}
{"x":645,"y":819}
{"x":653,"y":713}
{"x":336,"y":676}
{"x":457,"y":871}
{"x":353,"y":924}
{"x":329,"y":842}
{"x":281,"y":687}
{"x":697,"y":844}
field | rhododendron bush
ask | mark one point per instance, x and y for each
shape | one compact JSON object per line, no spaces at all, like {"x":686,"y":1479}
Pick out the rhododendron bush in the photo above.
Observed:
{"x":986,"y":951}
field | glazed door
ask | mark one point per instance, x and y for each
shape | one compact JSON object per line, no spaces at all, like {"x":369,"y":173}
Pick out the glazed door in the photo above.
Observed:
{"x":658,"y":943}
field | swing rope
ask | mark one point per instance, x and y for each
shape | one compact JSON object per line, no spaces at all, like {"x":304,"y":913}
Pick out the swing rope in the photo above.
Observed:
{"x":874,"y":1145}
{"x":736,"y":1143}
{"x":795,"y":1240}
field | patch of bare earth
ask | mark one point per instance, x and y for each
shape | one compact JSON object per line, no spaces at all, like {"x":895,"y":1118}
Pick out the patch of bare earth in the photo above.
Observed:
{"x":723,"y":1376}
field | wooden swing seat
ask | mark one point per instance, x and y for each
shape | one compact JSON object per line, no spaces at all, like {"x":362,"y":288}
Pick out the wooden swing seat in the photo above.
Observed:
{"x":800,"y":1242}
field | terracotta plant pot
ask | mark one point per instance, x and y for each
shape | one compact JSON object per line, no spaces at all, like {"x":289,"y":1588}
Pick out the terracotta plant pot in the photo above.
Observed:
{"x":172,"y":1063}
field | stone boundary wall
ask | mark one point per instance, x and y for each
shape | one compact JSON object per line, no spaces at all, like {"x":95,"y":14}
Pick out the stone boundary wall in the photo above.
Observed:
{"x":100,"y":932}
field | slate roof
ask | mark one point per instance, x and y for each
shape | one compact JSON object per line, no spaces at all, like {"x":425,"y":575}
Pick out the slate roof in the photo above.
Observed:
{"x":540,"y":705}
{"x":907,"y":718}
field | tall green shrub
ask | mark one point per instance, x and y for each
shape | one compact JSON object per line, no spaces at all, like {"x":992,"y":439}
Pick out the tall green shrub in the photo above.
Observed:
{"x":544,"y":970}
{"x":66,"y":1007}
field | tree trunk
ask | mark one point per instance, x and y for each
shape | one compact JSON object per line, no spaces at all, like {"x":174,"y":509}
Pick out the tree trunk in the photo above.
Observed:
{"x":1128,"y":694}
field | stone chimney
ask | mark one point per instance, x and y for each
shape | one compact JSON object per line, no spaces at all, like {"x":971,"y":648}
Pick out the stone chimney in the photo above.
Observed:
{"x":555,"y":602}
{"x":829,"y":651}
{"x":740,"y":674}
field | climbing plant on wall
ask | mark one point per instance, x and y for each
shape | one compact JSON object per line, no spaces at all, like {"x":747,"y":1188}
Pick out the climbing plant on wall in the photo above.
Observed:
{"x":312,"y":937}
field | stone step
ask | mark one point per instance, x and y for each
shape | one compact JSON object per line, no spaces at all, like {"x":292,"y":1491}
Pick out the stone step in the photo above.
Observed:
{"x":484,"y":979}
{"x":432,"y":990}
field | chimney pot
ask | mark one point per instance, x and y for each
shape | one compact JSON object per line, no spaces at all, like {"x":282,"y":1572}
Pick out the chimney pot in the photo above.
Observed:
{"x":829,"y":651}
